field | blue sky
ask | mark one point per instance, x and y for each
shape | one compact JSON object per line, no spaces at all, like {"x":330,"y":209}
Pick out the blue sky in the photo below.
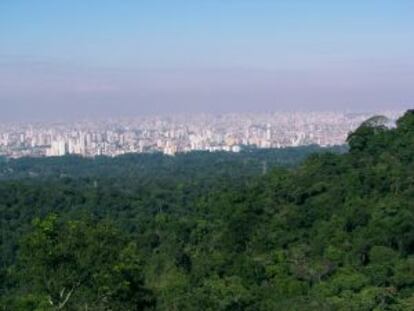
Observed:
{"x":152,"y":56}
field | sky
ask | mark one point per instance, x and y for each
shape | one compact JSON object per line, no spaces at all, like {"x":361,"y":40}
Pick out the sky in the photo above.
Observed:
{"x":106,"y":58}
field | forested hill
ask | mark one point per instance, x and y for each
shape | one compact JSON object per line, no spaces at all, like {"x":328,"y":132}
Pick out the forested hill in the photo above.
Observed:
{"x":334,"y":233}
{"x":249,"y":161}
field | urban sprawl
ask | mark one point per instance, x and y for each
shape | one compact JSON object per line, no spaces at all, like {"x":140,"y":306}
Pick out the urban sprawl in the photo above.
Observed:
{"x":179,"y":133}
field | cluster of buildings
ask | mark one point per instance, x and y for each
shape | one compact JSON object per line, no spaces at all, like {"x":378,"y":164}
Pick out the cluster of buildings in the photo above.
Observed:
{"x":180,"y":133}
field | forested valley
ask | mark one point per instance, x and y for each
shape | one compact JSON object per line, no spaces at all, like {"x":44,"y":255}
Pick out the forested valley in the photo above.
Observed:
{"x":304,"y":228}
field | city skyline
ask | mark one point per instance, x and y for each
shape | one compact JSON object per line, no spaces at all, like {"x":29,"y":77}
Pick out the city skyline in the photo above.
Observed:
{"x":181,"y":133}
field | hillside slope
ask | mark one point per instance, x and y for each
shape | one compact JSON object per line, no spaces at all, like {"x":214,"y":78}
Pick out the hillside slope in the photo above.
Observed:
{"x":336,"y":233}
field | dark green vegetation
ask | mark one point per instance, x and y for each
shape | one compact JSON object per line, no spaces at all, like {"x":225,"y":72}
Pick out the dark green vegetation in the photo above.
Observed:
{"x":249,"y":162}
{"x":210,"y":232}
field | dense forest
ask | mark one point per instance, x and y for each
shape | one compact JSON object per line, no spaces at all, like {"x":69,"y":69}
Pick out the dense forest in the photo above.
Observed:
{"x":248,"y":162}
{"x":295,"y":229}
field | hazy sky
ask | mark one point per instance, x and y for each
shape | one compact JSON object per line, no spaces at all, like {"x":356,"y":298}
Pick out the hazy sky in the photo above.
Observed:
{"x":78,"y":58}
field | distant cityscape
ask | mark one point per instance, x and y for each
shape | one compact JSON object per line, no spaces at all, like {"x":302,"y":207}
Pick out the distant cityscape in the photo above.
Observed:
{"x":180,"y":133}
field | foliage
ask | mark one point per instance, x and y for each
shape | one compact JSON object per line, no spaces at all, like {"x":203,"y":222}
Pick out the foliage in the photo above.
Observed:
{"x":212,"y":232}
